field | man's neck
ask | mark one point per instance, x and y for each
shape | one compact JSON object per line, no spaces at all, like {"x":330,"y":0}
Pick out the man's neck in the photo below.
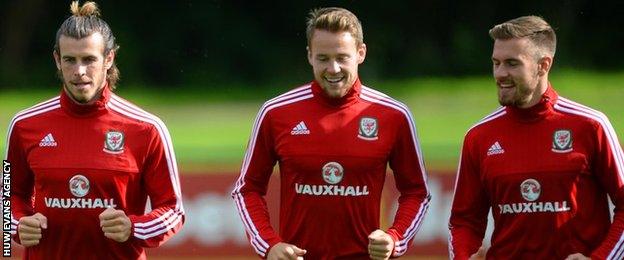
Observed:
{"x":542,"y":86}
{"x":87,"y":102}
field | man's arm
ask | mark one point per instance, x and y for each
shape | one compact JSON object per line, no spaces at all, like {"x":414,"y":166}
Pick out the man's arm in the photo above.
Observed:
{"x":22,"y":179}
{"x":251,"y":186}
{"x":406,"y":162}
{"x":610,"y":172}
{"x":469,"y":209}
{"x":162,"y":184}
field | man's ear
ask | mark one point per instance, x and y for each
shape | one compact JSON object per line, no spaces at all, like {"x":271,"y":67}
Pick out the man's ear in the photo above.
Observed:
{"x":361,"y":53}
{"x":57,"y":59}
{"x":544,"y":64}
{"x":109,"y":60}
{"x":309,"y":54}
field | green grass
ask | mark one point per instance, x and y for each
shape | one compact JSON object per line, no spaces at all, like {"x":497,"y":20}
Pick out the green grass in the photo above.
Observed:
{"x":210,"y":128}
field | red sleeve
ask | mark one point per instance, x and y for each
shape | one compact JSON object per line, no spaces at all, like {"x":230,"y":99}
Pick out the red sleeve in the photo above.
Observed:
{"x":407,"y":165}
{"x":162,"y":184}
{"x":470,"y":206}
{"x":22,"y":179}
{"x":609,"y":168}
{"x":251,"y":187}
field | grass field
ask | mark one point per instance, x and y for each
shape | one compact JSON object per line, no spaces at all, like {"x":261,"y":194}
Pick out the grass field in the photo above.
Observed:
{"x":210,"y":128}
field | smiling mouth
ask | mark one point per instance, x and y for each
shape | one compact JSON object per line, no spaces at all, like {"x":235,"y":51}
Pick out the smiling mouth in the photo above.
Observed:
{"x":81,"y":84}
{"x":334,"y":80}
{"x":506,"y":85}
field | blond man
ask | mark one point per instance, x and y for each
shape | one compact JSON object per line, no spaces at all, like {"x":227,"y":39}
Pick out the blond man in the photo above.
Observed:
{"x":543,"y":164}
{"x":333,"y":139}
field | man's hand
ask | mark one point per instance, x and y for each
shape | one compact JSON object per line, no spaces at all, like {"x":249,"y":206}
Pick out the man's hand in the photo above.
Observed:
{"x":480,"y":254}
{"x":284,"y":251}
{"x":29,"y":229}
{"x":115,"y":224}
{"x":577,"y":256}
{"x":380,"y":245}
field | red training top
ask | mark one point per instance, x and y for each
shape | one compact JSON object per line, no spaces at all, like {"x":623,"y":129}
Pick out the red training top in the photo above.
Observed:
{"x":332,"y":156}
{"x":70,"y":162}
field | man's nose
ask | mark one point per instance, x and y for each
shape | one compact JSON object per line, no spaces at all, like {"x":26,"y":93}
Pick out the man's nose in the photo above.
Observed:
{"x":82,"y":70}
{"x":333,"y":67}
{"x":500,"y":72}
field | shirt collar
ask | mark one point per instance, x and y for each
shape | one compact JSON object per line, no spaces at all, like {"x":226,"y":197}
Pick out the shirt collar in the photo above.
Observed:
{"x":539,"y":110}
{"x":84,"y":110}
{"x":352,"y":96}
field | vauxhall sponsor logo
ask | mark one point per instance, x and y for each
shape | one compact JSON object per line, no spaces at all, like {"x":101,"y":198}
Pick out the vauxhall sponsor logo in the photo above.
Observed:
{"x":332,"y":173}
{"x":534,"y":207}
{"x":79,"y":203}
{"x":79,"y":187}
{"x":331,"y":190}
{"x":530,"y":190}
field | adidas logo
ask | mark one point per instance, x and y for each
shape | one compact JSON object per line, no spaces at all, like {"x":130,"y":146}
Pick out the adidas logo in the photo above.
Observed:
{"x":48,"y":140}
{"x":300,"y":129}
{"x":495,"y":149}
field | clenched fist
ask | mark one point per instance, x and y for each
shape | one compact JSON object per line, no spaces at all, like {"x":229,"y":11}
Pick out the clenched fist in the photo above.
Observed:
{"x":115,"y":224}
{"x":285,"y":251}
{"x":29,"y":229}
{"x":380,"y":245}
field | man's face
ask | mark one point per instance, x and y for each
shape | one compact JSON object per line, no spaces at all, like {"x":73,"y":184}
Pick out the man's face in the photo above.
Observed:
{"x":516,"y":71}
{"x":335,"y":58}
{"x":83,"y":66}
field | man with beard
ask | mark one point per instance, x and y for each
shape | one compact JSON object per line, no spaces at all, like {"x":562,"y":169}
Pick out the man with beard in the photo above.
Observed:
{"x":84,"y":163}
{"x":543,"y":164}
{"x":333,"y":138}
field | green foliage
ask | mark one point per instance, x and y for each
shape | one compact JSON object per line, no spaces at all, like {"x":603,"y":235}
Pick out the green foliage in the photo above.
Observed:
{"x":177,"y":43}
{"x":211,"y":128}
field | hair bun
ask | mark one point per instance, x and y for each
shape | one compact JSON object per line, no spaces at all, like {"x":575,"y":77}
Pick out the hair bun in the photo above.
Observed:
{"x":87,"y":9}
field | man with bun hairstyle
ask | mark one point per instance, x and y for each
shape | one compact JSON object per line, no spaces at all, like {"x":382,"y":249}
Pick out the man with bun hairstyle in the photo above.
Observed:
{"x":543,"y":164}
{"x":85,"y":162}
{"x":333,"y":139}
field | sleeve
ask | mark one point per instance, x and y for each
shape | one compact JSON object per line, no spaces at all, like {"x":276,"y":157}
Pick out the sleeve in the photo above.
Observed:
{"x":407,"y":166}
{"x":609,"y":168}
{"x":22,"y":180}
{"x":251,"y":187}
{"x":470,"y":207}
{"x":162,"y":184}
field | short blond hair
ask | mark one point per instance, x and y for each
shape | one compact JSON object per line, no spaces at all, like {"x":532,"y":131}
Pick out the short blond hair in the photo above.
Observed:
{"x":85,"y":21}
{"x":535,"y":28}
{"x":334,"y":19}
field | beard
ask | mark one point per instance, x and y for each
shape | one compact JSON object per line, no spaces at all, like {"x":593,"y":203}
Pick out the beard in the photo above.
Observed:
{"x":83,"y":96}
{"x":336,"y":90}
{"x":521,"y":95}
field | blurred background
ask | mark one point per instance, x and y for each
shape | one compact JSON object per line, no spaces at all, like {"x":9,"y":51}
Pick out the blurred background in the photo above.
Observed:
{"x":205,"y":67}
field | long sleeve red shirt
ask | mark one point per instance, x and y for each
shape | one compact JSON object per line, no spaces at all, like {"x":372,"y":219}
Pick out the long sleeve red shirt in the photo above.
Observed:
{"x":70,"y":162}
{"x":545,"y":172}
{"x":332,"y":156}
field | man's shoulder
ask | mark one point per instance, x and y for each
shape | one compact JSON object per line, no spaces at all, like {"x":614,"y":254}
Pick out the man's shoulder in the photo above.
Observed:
{"x":132,"y":112}
{"x":579,"y":111}
{"x":290,"y":97}
{"x":487,"y":122}
{"x":383,"y":100}
{"x":37,"y":111}
{"x":297,"y":92}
